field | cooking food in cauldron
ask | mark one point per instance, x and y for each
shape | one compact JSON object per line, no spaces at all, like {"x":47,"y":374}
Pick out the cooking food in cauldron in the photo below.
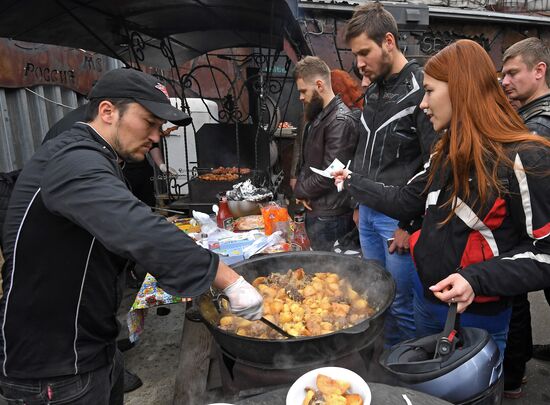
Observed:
{"x":303,"y":305}
{"x":224,"y":174}
{"x":331,"y":392}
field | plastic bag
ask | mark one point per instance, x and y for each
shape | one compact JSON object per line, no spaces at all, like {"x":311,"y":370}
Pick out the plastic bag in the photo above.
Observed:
{"x":275,"y":218}
{"x":263,"y":243}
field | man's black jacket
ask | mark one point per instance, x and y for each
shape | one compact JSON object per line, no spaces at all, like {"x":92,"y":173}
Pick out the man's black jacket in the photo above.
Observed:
{"x":71,"y":227}
{"x":396,"y":136}
{"x":332,"y":134}
{"x":536,"y":115}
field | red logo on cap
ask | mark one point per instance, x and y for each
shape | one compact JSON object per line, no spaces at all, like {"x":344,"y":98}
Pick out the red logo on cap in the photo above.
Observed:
{"x":163,"y":89}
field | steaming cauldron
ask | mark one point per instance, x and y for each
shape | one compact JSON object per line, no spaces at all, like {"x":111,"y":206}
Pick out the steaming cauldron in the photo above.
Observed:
{"x":366,"y":277}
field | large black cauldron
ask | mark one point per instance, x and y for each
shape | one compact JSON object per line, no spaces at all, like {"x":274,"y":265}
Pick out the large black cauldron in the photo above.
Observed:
{"x":366,"y":277}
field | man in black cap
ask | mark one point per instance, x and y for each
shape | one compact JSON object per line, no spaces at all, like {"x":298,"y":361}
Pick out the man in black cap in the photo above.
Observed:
{"x":71,"y":228}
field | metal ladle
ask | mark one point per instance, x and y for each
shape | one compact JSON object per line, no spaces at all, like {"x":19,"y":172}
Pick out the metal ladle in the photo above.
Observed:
{"x":277,"y":328}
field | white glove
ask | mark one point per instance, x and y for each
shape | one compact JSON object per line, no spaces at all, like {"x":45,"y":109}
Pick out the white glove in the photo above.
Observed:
{"x":163,"y":168}
{"x":244,"y":299}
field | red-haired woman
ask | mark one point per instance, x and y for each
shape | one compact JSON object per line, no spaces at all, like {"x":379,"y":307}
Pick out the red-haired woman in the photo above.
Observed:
{"x":484,"y":196}
{"x":347,"y":87}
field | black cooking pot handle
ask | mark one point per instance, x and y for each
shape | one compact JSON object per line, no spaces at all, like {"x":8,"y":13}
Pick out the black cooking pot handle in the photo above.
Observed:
{"x":359,"y":328}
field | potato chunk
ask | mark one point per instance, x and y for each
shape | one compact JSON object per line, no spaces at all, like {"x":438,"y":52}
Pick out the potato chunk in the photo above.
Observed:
{"x":329,"y":386}
{"x":353,"y":399}
{"x":309,"y":396}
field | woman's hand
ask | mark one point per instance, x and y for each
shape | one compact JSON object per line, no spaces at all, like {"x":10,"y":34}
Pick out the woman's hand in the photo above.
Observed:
{"x":305,"y":203}
{"x":400,"y":242}
{"x":454,"y":288}
{"x":340,"y":175}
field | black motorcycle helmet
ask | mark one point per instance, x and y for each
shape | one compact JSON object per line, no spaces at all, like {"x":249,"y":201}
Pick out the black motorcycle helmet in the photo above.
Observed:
{"x":459,"y":365}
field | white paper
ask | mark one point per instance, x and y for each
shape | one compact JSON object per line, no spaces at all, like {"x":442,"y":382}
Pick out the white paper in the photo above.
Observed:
{"x":335,"y":165}
{"x":321,"y":172}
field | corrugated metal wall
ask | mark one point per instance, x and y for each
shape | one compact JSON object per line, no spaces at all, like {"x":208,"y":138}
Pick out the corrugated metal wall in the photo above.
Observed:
{"x":26,"y":114}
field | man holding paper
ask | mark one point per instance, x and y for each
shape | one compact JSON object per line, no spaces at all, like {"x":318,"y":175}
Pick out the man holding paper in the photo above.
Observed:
{"x":395,"y":140}
{"x":330,"y":138}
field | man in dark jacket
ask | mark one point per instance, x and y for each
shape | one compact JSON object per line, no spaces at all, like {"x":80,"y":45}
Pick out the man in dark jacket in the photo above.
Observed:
{"x":331,"y":133}
{"x":71,"y":228}
{"x":7,"y":183}
{"x":525,"y":78}
{"x":395,"y":140}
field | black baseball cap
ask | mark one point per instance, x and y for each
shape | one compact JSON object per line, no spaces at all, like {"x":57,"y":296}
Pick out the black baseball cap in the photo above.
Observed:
{"x":144,"y":89}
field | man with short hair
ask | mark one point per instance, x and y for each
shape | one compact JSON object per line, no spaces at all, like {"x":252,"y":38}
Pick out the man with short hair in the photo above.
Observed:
{"x":525,"y":78}
{"x":330,"y":133}
{"x":395,"y":140}
{"x":71,"y":229}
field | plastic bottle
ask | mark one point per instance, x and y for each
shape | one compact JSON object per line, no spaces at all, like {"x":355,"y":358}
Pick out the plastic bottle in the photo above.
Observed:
{"x":300,"y":241}
{"x":224,"y":219}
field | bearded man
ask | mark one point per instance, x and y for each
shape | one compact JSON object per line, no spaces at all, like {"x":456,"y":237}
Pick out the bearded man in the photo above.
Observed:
{"x":395,"y":140}
{"x":330,"y":133}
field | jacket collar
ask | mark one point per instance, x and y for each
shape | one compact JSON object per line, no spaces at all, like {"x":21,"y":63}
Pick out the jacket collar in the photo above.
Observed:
{"x":538,"y":102}
{"x":330,"y":107}
{"x":96,"y":136}
{"x":397,"y":77}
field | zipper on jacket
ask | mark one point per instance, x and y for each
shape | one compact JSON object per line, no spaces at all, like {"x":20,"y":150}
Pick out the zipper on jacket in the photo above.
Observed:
{"x":380,"y":94}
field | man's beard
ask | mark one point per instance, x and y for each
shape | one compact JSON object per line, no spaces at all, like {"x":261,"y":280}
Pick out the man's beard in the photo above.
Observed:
{"x":123,"y":154}
{"x":314,"y":107}
{"x":385,"y":67}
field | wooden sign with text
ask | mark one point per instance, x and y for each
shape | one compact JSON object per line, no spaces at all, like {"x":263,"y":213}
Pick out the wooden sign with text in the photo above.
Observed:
{"x":24,"y":64}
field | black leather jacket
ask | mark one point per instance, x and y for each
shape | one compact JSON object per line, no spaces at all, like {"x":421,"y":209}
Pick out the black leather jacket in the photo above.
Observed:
{"x":536,"y":115}
{"x":332,"y":134}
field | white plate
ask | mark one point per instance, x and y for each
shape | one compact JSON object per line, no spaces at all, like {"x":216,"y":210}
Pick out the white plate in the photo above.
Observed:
{"x":297,"y":392}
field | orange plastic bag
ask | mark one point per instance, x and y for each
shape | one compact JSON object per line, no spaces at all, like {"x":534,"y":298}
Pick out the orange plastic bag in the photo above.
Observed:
{"x":273,"y":216}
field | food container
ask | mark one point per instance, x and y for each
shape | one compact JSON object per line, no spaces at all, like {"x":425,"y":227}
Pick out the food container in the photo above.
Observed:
{"x":297,"y":391}
{"x":243,"y":208}
{"x":188,"y":225}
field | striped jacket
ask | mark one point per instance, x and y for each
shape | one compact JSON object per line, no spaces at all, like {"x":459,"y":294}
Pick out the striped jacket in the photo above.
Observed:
{"x":395,"y":136}
{"x":502,"y":249}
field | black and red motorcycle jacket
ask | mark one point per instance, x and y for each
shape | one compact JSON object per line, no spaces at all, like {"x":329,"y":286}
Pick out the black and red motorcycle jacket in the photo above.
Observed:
{"x":502,"y":248}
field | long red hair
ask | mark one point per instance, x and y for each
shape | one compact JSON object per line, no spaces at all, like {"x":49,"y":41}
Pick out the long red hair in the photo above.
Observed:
{"x":347,"y":87}
{"x":482,"y":121}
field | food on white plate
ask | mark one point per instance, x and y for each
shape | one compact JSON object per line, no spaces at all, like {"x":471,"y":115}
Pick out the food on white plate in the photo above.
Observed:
{"x":331,"y":392}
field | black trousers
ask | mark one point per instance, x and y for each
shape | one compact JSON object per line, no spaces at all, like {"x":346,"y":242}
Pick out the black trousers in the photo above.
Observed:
{"x":103,"y":386}
{"x":519,"y":345}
